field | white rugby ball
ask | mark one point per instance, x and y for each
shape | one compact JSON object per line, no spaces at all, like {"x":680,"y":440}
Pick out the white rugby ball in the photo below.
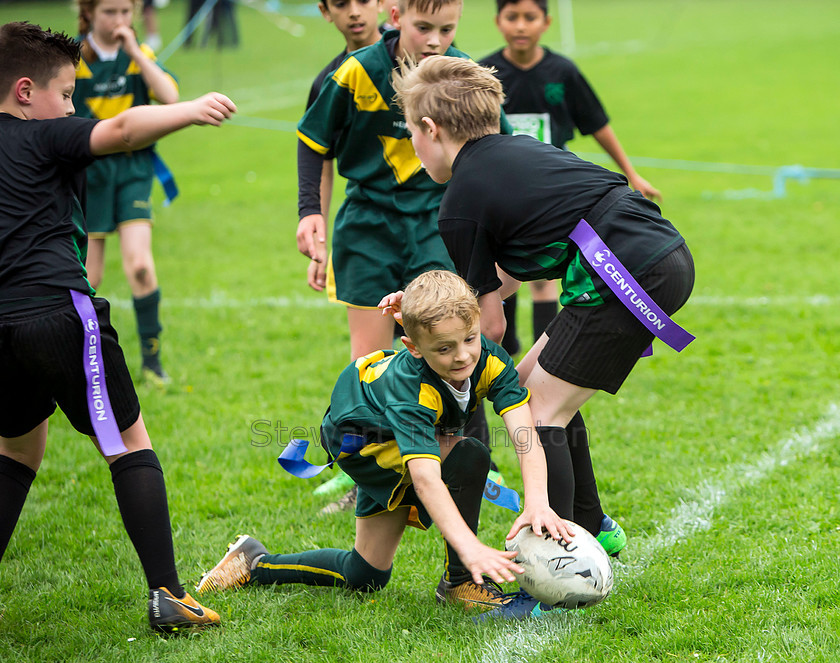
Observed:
{"x":571,"y":575}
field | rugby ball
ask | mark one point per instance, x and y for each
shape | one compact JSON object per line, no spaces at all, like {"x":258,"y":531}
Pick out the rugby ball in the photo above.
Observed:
{"x":570,"y":575}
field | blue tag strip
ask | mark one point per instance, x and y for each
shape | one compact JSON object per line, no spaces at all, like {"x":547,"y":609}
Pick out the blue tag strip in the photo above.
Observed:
{"x":166,"y":179}
{"x":507,"y":498}
{"x":292,"y":461}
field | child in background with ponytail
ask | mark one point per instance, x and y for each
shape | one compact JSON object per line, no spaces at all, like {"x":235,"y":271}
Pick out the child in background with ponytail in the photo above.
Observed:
{"x":117,"y":72}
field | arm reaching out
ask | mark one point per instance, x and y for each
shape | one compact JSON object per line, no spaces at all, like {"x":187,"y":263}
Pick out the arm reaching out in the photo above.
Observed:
{"x":141,"y":126}
{"x":536,"y":512}
{"x":477,"y":557}
{"x":609,"y":142}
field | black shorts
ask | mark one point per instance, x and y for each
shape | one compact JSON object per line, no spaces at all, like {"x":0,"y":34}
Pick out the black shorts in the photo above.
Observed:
{"x":41,"y":364}
{"x":597,"y":346}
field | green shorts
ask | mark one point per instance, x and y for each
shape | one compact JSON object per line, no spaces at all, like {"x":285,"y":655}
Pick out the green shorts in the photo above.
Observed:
{"x":376,"y":251}
{"x":382,"y":477}
{"x":119,"y":190}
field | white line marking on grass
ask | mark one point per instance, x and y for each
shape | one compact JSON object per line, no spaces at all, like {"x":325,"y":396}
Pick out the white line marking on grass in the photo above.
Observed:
{"x":517,"y":640}
{"x":220,"y":300}
{"x":763,"y":302}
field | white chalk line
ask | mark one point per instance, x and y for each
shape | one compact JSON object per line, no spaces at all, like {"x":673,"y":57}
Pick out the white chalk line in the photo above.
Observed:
{"x":222,"y":300}
{"x":518,"y":640}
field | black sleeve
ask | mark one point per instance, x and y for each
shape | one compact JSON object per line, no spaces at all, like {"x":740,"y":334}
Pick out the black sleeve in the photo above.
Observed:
{"x":473,"y":252}
{"x":585,"y":108}
{"x":310,"y":164}
{"x":67,"y":140}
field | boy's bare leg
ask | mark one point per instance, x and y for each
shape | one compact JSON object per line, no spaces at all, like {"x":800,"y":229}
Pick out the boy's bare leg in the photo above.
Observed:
{"x":138,"y":263}
{"x":554,"y":401}
{"x":369,"y":331}
{"x":378,"y":537}
{"x":95,"y":262}
{"x":135,"y":438}
{"x":27,"y":449}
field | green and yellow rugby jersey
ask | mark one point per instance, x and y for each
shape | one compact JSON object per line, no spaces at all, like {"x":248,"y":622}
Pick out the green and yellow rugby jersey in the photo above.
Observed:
{"x":107,"y":88}
{"x":397,"y":402}
{"x":354,"y":116}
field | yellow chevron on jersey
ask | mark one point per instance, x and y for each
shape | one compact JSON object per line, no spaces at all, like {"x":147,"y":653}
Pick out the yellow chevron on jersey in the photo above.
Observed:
{"x":372,"y":367}
{"x":400,"y":155}
{"x":82,"y":70}
{"x":492,"y":369}
{"x":352,"y":76}
{"x":103,"y":108}
{"x":431,"y":398}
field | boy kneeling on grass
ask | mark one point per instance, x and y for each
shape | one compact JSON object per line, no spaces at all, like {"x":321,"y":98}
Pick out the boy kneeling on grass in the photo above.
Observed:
{"x":403,"y":409}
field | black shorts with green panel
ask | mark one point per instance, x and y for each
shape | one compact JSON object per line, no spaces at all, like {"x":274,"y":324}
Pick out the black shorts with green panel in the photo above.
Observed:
{"x":395,"y":404}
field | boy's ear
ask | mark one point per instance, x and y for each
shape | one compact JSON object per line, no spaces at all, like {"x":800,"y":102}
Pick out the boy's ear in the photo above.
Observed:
{"x":325,"y":11}
{"x":431,"y":126}
{"x":23,"y":90}
{"x":412,"y":349}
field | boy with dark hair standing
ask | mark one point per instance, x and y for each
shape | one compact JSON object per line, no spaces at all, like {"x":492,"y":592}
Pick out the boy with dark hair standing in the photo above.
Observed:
{"x":356,"y":21}
{"x":390,"y":426}
{"x":547,"y":97}
{"x":515,"y":202}
{"x":48,"y":317}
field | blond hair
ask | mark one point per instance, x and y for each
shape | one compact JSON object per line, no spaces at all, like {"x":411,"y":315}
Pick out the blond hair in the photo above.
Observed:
{"x":424,"y":6}
{"x":460,"y":95}
{"x":435,"y":296}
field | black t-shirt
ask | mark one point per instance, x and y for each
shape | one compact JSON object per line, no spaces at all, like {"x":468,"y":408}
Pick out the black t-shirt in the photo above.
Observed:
{"x":513,"y":200}
{"x":553,"y":88}
{"x":42,"y":166}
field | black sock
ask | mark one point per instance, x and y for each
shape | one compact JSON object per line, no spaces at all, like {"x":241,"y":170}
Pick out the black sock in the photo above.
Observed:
{"x":15,"y":480}
{"x":141,"y":497}
{"x":464,"y":472}
{"x":588,"y":511}
{"x":543,"y":313}
{"x":477,"y":427}
{"x":509,"y":341}
{"x":561,"y":475}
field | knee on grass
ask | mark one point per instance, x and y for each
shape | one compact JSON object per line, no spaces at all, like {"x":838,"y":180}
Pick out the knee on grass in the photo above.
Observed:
{"x":361,"y":576}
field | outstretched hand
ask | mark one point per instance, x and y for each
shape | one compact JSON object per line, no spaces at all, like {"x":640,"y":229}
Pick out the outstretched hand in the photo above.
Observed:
{"x":212,"y":108}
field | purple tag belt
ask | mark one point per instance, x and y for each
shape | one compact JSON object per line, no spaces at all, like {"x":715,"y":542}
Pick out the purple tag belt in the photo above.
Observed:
{"x":99,"y":405}
{"x":626,"y":288}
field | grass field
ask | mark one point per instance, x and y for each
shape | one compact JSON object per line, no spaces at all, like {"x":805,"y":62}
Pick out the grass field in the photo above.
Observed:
{"x":722,"y":463}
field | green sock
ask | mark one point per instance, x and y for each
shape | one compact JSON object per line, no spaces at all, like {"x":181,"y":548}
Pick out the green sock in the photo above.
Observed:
{"x":327,"y":567}
{"x":147,"y":311}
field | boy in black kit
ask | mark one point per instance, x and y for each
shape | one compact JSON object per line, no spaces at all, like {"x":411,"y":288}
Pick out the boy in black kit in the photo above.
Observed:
{"x":547,"y":97}
{"x":517,"y":202}
{"x":56,"y":342}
